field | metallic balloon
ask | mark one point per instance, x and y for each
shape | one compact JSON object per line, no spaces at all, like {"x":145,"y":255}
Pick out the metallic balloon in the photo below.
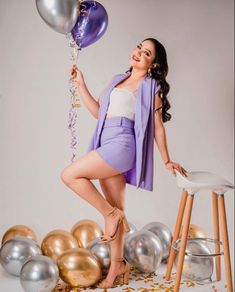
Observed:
{"x":79,"y":268}
{"x":19,"y":231}
{"x":197,"y":268}
{"x":59,"y":14}
{"x":91,"y":25}
{"x":15,"y":252}
{"x":196,"y":231}
{"x":39,"y":273}
{"x":56,"y":242}
{"x":163,"y":233}
{"x":102,"y":253}
{"x":85,"y":231}
{"x":143,"y":250}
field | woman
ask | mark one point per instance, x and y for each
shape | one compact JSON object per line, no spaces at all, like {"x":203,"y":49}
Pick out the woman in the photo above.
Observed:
{"x":114,"y":151}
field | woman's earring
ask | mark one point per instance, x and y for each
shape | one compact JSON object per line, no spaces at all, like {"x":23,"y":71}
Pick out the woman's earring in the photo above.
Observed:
{"x":149,"y":72}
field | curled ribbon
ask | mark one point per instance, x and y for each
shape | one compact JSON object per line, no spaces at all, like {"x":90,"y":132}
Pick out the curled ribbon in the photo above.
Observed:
{"x":74,"y":98}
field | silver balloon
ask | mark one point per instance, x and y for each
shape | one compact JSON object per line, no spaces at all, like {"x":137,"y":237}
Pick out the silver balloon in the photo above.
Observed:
{"x":15,"y":252}
{"x":39,"y":273}
{"x":59,"y":14}
{"x":196,"y":268}
{"x":163,"y":233}
{"x":102,"y":253}
{"x":143,"y":250}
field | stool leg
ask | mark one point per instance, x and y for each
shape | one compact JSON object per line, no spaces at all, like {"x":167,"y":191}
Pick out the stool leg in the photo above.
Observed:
{"x":216,"y":233}
{"x":176,"y":233}
{"x":184,"y":237}
{"x":225,"y":241}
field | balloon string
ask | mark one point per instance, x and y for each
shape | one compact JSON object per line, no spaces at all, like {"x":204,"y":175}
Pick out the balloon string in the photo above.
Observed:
{"x":74,"y":97}
{"x":75,"y":46}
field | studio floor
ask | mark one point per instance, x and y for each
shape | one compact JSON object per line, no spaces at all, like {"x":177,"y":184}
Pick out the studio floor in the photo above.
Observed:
{"x":137,"y":282}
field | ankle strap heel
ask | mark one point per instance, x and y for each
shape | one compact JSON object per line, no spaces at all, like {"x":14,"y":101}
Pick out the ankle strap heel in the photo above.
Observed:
{"x":125,"y":274}
{"x":118,"y":259}
{"x":121,"y":219}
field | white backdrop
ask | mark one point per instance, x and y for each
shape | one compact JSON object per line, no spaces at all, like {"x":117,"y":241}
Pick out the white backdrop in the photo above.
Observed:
{"x":34,"y":104}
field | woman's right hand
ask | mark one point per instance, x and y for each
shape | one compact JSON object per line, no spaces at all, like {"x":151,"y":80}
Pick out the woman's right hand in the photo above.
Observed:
{"x":77,"y":75}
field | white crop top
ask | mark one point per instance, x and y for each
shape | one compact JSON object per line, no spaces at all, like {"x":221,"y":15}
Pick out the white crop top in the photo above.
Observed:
{"x":122,"y":103}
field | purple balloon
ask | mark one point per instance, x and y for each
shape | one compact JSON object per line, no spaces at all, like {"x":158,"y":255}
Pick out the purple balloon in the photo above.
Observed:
{"x":91,"y":25}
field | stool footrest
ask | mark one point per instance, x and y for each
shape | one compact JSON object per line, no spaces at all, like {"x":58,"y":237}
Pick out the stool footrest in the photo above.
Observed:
{"x":211,"y":240}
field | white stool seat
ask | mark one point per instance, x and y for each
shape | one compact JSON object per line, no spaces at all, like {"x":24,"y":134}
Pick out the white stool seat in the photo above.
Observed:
{"x":202,"y":180}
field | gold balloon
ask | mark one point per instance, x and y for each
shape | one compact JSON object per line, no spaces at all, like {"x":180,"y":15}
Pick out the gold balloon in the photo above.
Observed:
{"x":195,"y":231}
{"x":79,"y":268}
{"x":85,"y":231}
{"x":56,"y":242}
{"x":19,"y":230}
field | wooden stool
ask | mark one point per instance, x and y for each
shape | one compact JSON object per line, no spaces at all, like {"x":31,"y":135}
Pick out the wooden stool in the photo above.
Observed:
{"x":195,"y":182}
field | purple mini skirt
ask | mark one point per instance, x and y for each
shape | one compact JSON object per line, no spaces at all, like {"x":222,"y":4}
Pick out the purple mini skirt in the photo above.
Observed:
{"x":117,"y":143}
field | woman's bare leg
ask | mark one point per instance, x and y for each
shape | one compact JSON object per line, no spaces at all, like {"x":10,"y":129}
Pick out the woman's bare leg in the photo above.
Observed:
{"x":114,"y":189}
{"x":77,"y":177}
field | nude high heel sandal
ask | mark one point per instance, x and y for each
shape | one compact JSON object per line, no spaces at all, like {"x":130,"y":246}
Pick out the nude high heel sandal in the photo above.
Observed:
{"x":121,"y":219}
{"x":125,"y":275}
{"x":125,"y":279}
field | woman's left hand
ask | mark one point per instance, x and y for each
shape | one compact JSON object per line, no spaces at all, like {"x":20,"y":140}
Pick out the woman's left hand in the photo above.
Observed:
{"x":173,"y":165}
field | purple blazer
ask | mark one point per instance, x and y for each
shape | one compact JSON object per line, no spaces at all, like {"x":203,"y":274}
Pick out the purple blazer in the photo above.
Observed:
{"x":141,"y":175}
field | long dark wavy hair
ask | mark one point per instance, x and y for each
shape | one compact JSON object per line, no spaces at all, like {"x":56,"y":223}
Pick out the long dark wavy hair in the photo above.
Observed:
{"x":159,"y":73}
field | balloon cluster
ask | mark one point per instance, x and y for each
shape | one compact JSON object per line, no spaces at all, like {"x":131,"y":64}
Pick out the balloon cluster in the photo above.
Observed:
{"x":83,"y":22}
{"x":61,"y":255}
{"x":146,"y":248}
{"x":80,"y":259}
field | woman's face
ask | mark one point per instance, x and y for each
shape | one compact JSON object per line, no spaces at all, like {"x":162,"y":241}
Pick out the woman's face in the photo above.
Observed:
{"x":143,"y":55}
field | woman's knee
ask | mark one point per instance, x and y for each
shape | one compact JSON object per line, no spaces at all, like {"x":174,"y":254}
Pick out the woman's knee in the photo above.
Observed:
{"x":66,"y":176}
{"x":69,"y":181}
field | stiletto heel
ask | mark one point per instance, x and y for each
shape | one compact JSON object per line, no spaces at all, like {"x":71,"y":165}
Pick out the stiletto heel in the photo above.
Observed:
{"x":126,"y":274}
{"x":125,"y":224}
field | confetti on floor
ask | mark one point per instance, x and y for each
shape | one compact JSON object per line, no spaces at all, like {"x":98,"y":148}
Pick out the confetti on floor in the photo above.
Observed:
{"x":148,"y":282}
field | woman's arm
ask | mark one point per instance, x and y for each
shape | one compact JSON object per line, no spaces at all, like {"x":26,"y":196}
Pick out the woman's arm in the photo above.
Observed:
{"x":160,"y":133}
{"x":90,"y":102}
{"x":160,"y":138}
